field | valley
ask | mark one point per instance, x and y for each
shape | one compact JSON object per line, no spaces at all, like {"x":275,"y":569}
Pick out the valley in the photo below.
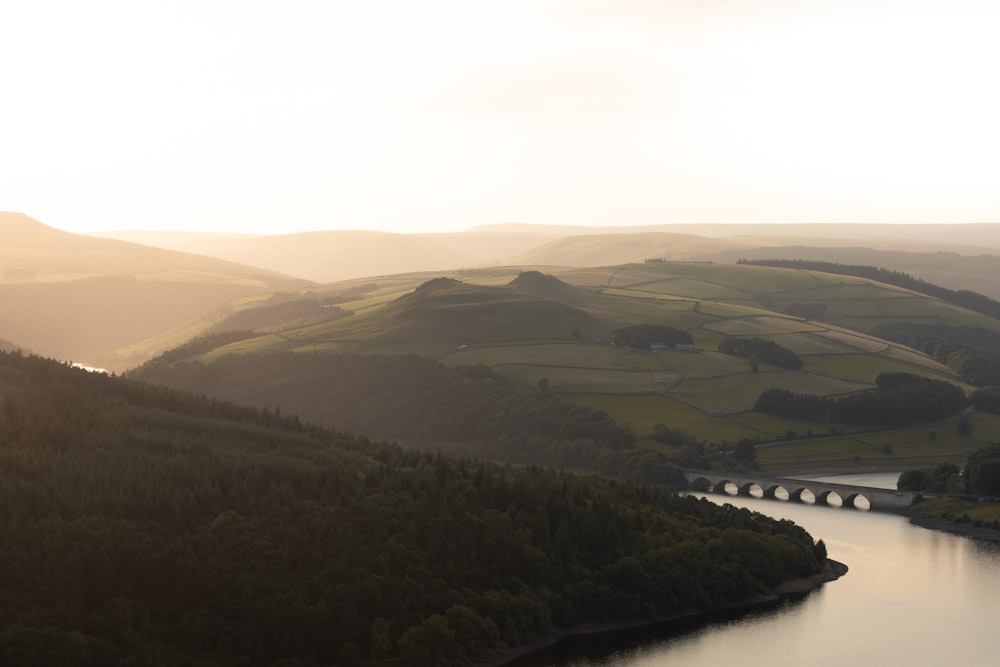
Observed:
{"x":469,"y":401}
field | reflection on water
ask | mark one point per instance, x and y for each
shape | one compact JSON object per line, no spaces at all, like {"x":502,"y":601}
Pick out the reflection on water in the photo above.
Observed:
{"x":912,"y":596}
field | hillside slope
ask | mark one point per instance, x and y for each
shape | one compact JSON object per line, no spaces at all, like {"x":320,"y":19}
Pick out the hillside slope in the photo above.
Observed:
{"x":553,"y":333}
{"x":145,"y":526}
{"x":80,"y":298}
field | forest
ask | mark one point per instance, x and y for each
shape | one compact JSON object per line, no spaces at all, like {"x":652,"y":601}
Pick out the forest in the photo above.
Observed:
{"x":901,"y":399}
{"x":145,"y":526}
{"x":468,"y":410}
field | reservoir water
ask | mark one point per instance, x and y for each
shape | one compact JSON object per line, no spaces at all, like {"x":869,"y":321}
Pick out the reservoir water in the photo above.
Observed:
{"x":913,"y":596}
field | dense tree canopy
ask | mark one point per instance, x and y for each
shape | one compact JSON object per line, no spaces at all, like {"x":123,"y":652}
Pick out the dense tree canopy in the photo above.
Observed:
{"x":982,"y":471}
{"x":144,"y":526}
{"x":766,"y":350}
{"x":901,"y":399}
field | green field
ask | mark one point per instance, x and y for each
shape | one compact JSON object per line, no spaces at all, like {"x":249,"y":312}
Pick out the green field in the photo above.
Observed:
{"x":739,"y":392}
{"x":686,"y":287}
{"x":578,"y":354}
{"x":908,"y":448}
{"x":761,"y":325}
{"x":811,"y":343}
{"x":528,"y":330}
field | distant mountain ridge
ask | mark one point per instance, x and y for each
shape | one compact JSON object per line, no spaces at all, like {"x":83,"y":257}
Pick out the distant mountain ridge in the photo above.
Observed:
{"x":333,"y":255}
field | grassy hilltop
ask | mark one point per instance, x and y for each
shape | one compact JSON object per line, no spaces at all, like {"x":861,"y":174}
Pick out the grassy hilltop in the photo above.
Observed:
{"x":552,"y":331}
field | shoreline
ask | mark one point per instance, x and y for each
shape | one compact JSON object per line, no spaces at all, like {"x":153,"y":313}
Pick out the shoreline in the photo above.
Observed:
{"x":953,"y":527}
{"x":791,"y":588}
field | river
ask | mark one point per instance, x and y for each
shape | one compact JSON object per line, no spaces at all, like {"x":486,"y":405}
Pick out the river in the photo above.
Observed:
{"x":913,"y":596}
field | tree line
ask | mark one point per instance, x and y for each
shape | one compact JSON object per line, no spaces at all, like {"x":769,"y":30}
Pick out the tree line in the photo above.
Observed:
{"x":973,"y":352}
{"x":146,"y":526}
{"x":765,"y":350}
{"x":980,"y":476}
{"x":644,"y":336}
{"x":900,"y":399}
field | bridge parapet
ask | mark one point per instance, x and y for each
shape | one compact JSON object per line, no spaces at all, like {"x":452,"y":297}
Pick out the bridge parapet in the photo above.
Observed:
{"x":878,"y":499}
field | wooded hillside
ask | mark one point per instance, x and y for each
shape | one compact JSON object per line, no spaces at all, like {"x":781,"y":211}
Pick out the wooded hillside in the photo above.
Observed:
{"x":144,"y":526}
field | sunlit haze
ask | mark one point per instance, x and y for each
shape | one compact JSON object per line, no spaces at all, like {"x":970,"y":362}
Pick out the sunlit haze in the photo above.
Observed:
{"x":271,"y":117}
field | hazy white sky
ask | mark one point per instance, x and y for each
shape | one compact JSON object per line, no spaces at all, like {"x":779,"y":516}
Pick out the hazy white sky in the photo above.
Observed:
{"x":268,"y":116}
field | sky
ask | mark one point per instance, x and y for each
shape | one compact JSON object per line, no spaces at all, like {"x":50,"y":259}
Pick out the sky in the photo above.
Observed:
{"x":439,"y":115}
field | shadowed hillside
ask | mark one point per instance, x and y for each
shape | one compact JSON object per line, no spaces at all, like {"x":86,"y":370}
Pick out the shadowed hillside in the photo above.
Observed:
{"x":80,"y":298}
{"x":143,"y":526}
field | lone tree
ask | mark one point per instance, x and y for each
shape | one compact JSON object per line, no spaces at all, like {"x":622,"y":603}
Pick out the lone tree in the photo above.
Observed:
{"x":964,"y":425}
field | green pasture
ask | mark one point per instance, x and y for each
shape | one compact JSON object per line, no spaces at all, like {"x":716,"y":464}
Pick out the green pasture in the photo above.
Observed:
{"x":840,"y":310}
{"x":845,"y":288}
{"x":706,"y":339}
{"x":843,"y":452}
{"x":642,"y":413}
{"x":759,"y":325}
{"x":859,"y":367}
{"x":637,"y":293}
{"x":810,"y":343}
{"x":248,"y":346}
{"x":333,"y":347}
{"x":745,"y":278}
{"x":915,"y":442}
{"x":865,"y":368}
{"x":854,"y":339}
{"x":581,"y":354}
{"x":919,"y":362}
{"x":588,"y":380}
{"x":629,"y":308}
{"x":431,"y":350}
{"x":769,"y":427}
{"x":690,"y":288}
{"x":724,"y":311}
{"x":702,"y":364}
{"x":907,"y":448}
{"x":737,"y":393}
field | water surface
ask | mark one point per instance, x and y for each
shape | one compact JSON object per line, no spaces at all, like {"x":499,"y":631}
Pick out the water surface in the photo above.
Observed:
{"x":913,"y":596}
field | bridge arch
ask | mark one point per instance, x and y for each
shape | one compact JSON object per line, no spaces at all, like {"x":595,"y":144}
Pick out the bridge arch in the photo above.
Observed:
{"x":826,"y":496}
{"x":858,"y":501}
{"x":776,"y":492}
{"x":802,"y":494}
{"x":701,"y":484}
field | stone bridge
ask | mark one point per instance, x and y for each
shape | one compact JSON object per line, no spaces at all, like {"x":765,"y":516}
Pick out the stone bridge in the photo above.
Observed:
{"x":878,"y":499}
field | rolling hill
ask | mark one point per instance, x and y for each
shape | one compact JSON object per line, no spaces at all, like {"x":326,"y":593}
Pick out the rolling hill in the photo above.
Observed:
{"x":552,"y":332}
{"x":949,"y":264}
{"x":79,"y":298}
{"x":956,"y":256}
{"x":335,"y":255}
